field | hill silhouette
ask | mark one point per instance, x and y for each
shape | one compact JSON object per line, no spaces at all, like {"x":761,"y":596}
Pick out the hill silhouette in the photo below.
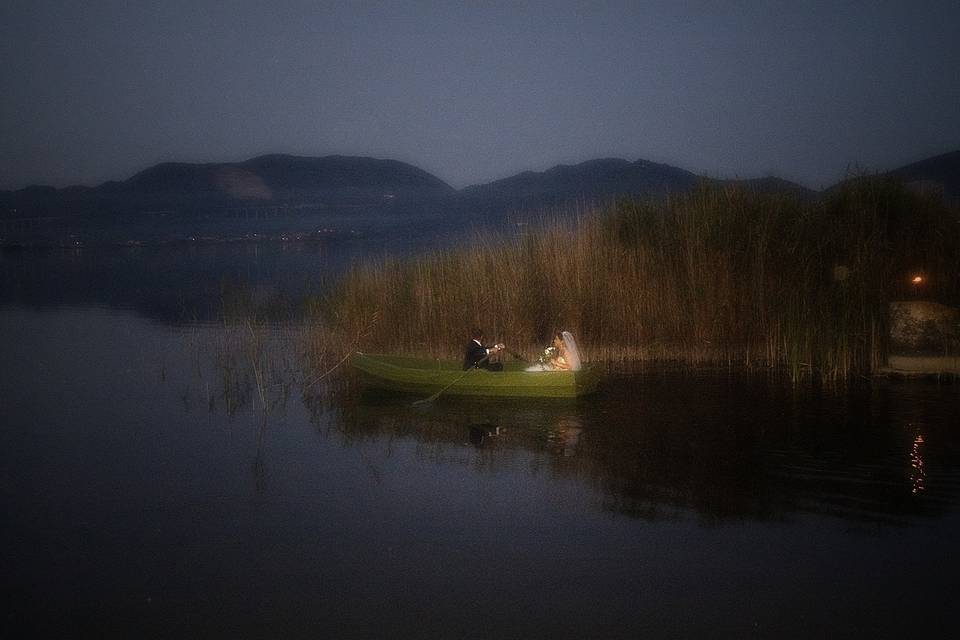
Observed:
{"x":281,"y":176}
{"x":939,"y":174}
{"x":274,"y":180}
{"x":375,"y":186}
{"x":591,"y":179}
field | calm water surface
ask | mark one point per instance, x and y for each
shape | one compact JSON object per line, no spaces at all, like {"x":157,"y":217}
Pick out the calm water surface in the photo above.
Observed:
{"x":138,"y":501}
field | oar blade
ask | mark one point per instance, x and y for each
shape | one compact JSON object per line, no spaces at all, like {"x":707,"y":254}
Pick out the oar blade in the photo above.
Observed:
{"x":425,"y":401}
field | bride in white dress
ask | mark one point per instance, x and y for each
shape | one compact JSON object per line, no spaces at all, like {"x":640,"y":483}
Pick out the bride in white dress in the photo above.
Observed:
{"x":563,"y":355}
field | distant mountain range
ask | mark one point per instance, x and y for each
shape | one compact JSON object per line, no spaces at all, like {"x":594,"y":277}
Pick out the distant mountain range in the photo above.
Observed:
{"x":270,"y":180}
{"x":339,"y":182}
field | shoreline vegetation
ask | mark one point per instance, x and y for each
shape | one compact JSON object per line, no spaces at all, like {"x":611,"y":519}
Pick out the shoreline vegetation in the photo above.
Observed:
{"x":719,"y":276}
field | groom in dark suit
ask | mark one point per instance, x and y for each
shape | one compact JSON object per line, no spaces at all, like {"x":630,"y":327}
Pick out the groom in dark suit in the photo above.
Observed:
{"x":477,"y":355}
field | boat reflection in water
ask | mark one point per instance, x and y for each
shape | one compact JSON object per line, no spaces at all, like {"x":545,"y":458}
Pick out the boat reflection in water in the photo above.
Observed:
{"x":712,"y":447}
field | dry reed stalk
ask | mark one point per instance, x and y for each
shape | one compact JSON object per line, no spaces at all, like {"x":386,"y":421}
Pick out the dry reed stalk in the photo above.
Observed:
{"x":720,"y":275}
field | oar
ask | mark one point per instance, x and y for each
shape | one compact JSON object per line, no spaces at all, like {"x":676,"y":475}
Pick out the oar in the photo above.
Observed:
{"x":425,"y":401}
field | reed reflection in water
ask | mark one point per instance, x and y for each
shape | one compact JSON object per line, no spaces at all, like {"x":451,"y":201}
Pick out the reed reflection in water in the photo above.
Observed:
{"x":719,"y":446}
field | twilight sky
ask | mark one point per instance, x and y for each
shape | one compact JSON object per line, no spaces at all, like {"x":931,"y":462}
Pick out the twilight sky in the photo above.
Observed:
{"x":99,"y":90}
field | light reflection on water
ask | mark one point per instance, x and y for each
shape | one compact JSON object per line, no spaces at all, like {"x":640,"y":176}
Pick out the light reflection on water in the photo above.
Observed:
{"x":712,"y":445}
{"x":669,"y":504}
{"x":916,"y":464}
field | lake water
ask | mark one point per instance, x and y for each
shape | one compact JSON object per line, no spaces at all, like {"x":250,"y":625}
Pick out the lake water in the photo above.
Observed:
{"x":139,"y":500}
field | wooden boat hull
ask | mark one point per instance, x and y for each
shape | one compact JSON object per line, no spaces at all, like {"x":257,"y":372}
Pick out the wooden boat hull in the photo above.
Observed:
{"x":425,"y":377}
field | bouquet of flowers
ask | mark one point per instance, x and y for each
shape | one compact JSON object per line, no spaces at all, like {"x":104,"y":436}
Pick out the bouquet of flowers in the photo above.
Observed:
{"x":548,"y":356}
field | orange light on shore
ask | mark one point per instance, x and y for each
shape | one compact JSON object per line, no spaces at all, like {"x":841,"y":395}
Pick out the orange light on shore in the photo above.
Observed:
{"x":917,"y":280}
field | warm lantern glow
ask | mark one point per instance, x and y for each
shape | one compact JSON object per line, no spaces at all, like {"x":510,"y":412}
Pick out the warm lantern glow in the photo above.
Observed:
{"x":917,"y":280}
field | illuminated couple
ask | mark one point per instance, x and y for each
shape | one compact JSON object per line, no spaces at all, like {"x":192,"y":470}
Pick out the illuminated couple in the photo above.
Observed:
{"x":561,"y":355}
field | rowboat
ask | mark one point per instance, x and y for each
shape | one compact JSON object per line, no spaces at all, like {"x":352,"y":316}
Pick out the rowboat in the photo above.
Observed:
{"x":425,"y":376}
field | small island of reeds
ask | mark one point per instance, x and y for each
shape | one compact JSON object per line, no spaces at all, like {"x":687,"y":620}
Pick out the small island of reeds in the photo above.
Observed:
{"x":717,"y":276}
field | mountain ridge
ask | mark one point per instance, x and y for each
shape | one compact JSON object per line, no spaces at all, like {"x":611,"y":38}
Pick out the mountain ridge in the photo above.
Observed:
{"x":340,"y":180}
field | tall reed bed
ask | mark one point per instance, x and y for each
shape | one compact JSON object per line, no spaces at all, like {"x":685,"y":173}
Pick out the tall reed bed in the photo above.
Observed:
{"x":721,"y":275}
